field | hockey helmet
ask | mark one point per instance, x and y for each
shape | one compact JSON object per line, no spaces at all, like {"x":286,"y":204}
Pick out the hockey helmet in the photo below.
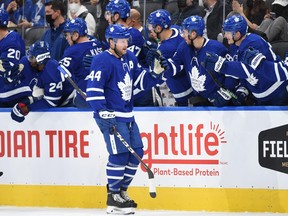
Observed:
{"x":4,"y":18}
{"x":159,"y":17}
{"x":234,"y":24}
{"x":194,"y":23}
{"x":117,"y":31}
{"x":39,"y":52}
{"x":76,"y":25}
{"x":121,"y":7}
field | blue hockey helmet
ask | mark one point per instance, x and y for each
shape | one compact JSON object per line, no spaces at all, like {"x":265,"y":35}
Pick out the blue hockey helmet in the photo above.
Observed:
{"x":76,"y":25}
{"x":121,"y":7}
{"x":159,"y":17}
{"x":117,"y":31}
{"x":39,"y":52}
{"x":194,"y":23}
{"x":4,"y":17}
{"x":234,"y":24}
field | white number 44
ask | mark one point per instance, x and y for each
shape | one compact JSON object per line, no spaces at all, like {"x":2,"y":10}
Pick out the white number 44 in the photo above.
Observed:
{"x":95,"y":75}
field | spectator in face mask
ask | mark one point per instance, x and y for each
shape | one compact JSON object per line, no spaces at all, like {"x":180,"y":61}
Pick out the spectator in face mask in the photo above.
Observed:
{"x":186,"y":8}
{"x":76,"y":9}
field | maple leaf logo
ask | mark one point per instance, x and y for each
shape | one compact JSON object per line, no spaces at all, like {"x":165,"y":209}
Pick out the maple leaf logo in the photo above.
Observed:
{"x":252,"y":80}
{"x":126,"y":88}
{"x":197,"y":82}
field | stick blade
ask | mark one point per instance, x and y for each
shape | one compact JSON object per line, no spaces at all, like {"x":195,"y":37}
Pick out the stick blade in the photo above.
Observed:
{"x":152,"y":187}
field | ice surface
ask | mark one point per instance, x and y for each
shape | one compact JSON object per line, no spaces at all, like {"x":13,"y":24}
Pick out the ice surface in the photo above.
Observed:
{"x":25,"y":211}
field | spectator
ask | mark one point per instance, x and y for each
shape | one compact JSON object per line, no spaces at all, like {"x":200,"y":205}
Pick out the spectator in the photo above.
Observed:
{"x":255,"y":11}
{"x":186,"y":8}
{"x":214,"y":17}
{"x":102,"y":23}
{"x":237,"y":8}
{"x":37,"y":16}
{"x":55,"y":11}
{"x":76,"y":9}
{"x":35,"y":26}
{"x":276,"y":27}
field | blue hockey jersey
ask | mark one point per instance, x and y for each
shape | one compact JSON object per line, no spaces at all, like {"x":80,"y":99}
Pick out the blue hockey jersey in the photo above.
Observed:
{"x":265,"y":90}
{"x":190,"y":58}
{"x":111,"y":83}
{"x":12,"y":47}
{"x":55,"y":92}
{"x":73,"y":60}
{"x":179,"y":84}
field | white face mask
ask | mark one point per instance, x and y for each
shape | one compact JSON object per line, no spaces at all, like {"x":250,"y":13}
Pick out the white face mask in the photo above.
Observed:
{"x":74,"y":7}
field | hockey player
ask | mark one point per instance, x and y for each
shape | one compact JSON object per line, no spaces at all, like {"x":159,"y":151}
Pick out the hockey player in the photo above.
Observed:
{"x":275,"y":71}
{"x":80,"y":45}
{"x":114,"y":74}
{"x":209,"y":88}
{"x":264,"y":90}
{"x":42,"y":76}
{"x":117,"y":11}
{"x":12,"y":48}
{"x":159,"y":22}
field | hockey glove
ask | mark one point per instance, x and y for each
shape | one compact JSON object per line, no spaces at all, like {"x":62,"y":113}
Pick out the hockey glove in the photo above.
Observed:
{"x":15,"y":76}
{"x":151,"y":55}
{"x":5,"y":67}
{"x":220,"y":98}
{"x":213,"y":62}
{"x":241,"y":94}
{"x":87,"y":61}
{"x":107,"y":120}
{"x":19,"y":111}
{"x":148,"y":45}
{"x":252,"y":57}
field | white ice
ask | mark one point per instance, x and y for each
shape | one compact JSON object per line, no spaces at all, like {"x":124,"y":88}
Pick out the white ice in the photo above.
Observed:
{"x":25,"y":211}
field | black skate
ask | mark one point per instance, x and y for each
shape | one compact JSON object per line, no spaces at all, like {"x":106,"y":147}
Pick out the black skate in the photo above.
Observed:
{"x":117,"y":205}
{"x":126,"y":197}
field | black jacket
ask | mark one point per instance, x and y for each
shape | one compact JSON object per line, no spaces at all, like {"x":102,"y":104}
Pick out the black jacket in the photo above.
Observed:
{"x":214,"y":21}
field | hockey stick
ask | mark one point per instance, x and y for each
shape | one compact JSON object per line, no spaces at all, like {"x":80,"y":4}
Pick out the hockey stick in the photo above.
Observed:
{"x":232,"y":95}
{"x":66,"y":74}
{"x":152,"y":188}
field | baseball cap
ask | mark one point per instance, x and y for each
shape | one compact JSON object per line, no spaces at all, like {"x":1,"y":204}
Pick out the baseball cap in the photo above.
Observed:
{"x":283,"y":3}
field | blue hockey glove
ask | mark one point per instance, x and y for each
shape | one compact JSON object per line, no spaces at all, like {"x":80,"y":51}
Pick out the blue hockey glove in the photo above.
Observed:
{"x":107,"y":120}
{"x":220,"y":98}
{"x":5,"y":67}
{"x":149,"y":45}
{"x":87,"y":61}
{"x":15,"y":76}
{"x":241,"y":94}
{"x":213,"y":62}
{"x":151,"y":55}
{"x":19,"y":111}
{"x":252,"y":57}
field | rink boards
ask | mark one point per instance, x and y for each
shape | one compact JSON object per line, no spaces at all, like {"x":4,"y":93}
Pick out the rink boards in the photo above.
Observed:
{"x":212,"y":159}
